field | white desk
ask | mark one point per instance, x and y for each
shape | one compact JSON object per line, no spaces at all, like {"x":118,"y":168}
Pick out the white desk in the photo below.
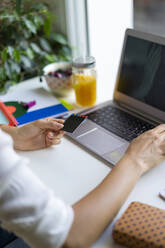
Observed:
{"x":72,"y":172}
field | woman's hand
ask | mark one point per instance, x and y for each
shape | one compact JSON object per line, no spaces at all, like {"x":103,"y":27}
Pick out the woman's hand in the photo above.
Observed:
{"x":148,"y":150}
{"x":36,"y":135}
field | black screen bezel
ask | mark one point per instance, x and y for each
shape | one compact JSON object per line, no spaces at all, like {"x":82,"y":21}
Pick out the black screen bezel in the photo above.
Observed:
{"x":131,"y":102}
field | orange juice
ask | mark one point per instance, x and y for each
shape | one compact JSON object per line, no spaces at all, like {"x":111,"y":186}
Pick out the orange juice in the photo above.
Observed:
{"x":85,"y":89}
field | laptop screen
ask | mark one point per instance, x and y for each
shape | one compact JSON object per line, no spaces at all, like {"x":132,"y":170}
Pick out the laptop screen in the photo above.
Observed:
{"x":142,"y":74}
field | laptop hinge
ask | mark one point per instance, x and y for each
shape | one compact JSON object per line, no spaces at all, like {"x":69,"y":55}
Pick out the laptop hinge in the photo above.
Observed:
{"x":136,"y":113}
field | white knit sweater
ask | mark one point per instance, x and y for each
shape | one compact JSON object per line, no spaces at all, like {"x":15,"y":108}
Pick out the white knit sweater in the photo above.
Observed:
{"x":27,"y":207}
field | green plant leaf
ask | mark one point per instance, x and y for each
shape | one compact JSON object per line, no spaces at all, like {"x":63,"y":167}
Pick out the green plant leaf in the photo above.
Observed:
{"x":51,"y":58}
{"x":18,"y":6}
{"x":23,"y":44}
{"x":12,"y":70}
{"x":7,"y":67}
{"x":15,"y":67}
{"x":27,"y":63}
{"x":2,"y":74}
{"x":65,"y":51}
{"x":30,"y":25}
{"x":47,"y":26}
{"x":30,"y":53}
{"x":16,"y":55}
{"x":4,"y":54}
{"x":7,"y":17}
{"x":16,"y":15}
{"x":26,"y":33}
{"x":35,"y":47}
{"x":59,"y":38}
{"x":45,"y":45}
{"x":39,"y":6}
{"x":10,"y":51}
{"x":38,"y":20}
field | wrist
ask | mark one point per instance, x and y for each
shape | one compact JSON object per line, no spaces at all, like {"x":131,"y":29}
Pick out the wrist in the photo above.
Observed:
{"x":12,"y":131}
{"x":133,"y":164}
{"x":8,"y":129}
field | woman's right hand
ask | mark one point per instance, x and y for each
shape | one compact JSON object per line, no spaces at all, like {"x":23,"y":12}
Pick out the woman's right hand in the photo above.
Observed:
{"x":148,"y":150}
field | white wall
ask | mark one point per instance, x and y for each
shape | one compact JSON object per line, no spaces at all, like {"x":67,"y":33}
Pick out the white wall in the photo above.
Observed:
{"x":108,"y":20}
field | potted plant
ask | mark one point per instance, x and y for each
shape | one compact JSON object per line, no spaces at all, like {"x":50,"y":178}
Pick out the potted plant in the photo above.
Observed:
{"x":28,"y":42}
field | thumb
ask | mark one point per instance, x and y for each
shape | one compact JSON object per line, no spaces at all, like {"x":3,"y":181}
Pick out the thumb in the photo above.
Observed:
{"x":51,"y":135}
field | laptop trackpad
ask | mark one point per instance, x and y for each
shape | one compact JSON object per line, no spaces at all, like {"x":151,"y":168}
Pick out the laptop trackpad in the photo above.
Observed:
{"x":99,"y":141}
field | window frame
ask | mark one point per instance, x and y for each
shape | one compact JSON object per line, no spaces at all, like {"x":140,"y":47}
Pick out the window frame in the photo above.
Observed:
{"x":77,"y":26}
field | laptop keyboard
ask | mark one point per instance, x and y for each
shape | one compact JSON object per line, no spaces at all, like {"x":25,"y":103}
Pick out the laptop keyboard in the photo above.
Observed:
{"x":119,"y":122}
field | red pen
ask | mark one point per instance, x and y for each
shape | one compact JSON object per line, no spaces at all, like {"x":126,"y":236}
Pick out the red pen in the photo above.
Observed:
{"x":9,"y":116}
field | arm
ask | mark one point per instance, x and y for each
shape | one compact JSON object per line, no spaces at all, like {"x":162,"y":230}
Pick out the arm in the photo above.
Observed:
{"x":96,"y":210}
{"x":27,"y":207}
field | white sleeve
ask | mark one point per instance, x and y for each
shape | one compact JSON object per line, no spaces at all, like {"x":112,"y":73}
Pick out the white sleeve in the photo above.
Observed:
{"x":27,"y":207}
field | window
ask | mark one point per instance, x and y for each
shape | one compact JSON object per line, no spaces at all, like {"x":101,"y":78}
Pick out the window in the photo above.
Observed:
{"x":77,"y":26}
{"x":107,"y":23}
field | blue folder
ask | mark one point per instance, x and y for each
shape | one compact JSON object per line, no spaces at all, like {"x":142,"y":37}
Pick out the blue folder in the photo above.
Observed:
{"x":54,"y":110}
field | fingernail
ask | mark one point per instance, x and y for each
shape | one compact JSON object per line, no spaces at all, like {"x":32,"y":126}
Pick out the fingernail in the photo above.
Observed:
{"x":51,"y":134}
{"x":60,"y":125}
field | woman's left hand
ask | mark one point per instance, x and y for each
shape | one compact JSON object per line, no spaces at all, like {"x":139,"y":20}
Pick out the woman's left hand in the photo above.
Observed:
{"x":38,"y":134}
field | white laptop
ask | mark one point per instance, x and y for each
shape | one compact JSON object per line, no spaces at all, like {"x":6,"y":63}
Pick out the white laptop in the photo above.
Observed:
{"x":138,"y":103}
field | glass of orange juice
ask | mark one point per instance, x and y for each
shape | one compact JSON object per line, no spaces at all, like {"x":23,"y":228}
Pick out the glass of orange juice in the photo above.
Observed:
{"x":84,"y":80}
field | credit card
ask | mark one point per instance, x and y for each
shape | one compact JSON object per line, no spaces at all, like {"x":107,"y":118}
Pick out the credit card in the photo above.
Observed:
{"x":72,"y":122}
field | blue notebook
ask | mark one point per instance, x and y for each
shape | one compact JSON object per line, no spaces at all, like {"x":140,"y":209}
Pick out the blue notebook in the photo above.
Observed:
{"x":50,"y":111}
